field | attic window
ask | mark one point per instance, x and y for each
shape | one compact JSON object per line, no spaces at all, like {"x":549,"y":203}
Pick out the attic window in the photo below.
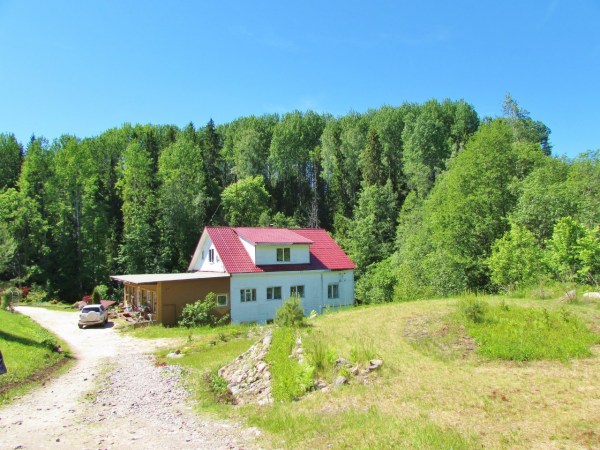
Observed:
{"x":283,"y":254}
{"x":211,"y":255}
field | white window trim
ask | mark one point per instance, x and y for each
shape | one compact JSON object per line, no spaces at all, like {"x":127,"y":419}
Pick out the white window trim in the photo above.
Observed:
{"x":252,"y":295}
{"x":226,"y":300}
{"x":330,"y":288}
{"x":285,"y":251}
{"x":273,"y":293}
{"x":296,"y":288}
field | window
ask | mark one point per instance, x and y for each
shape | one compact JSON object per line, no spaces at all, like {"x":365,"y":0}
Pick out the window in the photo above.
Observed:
{"x":211,"y":255}
{"x":333,"y":291}
{"x":283,"y":254}
{"x":248,"y":295}
{"x":221,"y":299}
{"x":297,"y":291}
{"x":274,"y":293}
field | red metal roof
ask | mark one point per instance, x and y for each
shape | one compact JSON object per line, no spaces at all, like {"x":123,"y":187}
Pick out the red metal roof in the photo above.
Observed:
{"x":325,"y":250}
{"x":325,"y":253}
{"x":271,"y":236}
{"x":234,"y":256}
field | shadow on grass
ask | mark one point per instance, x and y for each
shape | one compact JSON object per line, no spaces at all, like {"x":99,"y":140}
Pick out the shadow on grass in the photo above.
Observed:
{"x":21,"y":340}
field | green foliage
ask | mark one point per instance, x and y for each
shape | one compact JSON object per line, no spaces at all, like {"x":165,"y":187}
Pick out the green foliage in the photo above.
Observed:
{"x":201,"y":313}
{"x":378,"y":283}
{"x":371,"y":232}
{"x":290,"y":379}
{"x":102,"y":289}
{"x":182,"y":199}
{"x":6,"y":301}
{"x":516,"y":259}
{"x":11,"y":158}
{"x":474,"y":309}
{"x":526,"y":334}
{"x":138,"y":249}
{"x":37,"y":295}
{"x":291,"y":313}
{"x":245,"y":202}
{"x":319,"y":353}
{"x":572,"y":253}
{"x":96,"y":297}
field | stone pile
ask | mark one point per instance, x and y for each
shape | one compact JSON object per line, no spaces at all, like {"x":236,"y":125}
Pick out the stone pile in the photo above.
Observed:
{"x":248,"y":376}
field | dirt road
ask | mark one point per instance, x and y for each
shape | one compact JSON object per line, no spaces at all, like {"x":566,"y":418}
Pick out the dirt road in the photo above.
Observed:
{"x":114,"y":397}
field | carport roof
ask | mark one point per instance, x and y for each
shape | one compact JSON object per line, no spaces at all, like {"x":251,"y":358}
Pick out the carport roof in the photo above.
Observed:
{"x":148,"y":278}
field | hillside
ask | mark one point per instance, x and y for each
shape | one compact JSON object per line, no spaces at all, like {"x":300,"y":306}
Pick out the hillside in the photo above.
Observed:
{"x":434,"y":389}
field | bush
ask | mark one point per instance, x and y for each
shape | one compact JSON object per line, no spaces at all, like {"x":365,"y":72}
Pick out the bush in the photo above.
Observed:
{"x":201,"y":313}
{"x":6,"y":300}
{"x":102,"y":289}
{"x":377,"y":284}
{"x":291,"y":313}
{"x":474,"y":309}
{"x":37,"y":295}
{"x":96,"y":297}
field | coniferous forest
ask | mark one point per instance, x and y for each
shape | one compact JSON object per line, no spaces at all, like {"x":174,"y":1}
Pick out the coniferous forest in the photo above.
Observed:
{"x":427,"y":199}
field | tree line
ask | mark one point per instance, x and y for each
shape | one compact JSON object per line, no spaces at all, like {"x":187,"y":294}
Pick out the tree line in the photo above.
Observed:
{"x":425,"y":198}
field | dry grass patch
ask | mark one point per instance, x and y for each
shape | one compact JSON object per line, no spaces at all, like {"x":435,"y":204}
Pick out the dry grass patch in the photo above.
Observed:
{"x":432,"y":376}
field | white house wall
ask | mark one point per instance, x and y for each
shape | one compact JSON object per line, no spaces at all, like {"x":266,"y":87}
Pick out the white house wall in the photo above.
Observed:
{"x":267,"y":254}
{"x":250,"y":249}
{"x":203,"y":264}
{"x":315,"y":292}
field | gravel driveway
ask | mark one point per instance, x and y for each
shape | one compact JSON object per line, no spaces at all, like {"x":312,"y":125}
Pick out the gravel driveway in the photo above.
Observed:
{"x":114,"y":397}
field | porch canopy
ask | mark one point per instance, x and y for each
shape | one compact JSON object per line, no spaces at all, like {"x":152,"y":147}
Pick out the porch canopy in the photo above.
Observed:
{"x":149,"y":278}
{"x":166,"y":294}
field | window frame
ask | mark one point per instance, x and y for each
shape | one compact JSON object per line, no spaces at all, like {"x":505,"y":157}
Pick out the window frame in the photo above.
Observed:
{"x":226,"y":300}
{"x":211,"y":255}
{"x":283,"y":254}
{"x":331,"y":287}
{"x":294,"y":291}
{"x":244,"y":295}
{"x":271,"y":296}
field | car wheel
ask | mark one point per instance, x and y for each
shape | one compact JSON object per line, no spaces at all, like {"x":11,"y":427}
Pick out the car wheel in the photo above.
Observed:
{"x":105,"y":321}
{"x":79,"y":325}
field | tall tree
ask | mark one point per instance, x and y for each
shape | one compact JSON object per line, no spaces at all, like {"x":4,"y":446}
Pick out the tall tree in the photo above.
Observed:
{"x":11,"y":158}
{"x":182,"y":202}
{"x":524,"y":128}
{"x":245,"y":203}
{"x":210,"y":145}
{"x":138,"y":251}
{"x":293,"y":155}
{"x":373,"y":170}
{"x":371,"y":233}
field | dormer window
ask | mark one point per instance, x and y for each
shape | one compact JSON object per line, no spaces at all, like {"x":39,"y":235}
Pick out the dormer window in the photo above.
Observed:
{"x":211,"y":255}
{"x":283,"y":254}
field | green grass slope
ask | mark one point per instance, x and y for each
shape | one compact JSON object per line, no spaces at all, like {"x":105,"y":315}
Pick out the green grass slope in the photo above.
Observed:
{"x":28,"y":351}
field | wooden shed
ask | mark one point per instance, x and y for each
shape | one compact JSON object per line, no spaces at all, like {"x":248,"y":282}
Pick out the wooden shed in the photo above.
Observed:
{"x":165,"y":295}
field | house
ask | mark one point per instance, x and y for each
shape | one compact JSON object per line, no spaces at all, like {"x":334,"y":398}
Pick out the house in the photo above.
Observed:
{"x":252,"y":271}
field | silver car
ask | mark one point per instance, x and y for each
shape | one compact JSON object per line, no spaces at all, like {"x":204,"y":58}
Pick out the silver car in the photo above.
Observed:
{"x":92,"y":315}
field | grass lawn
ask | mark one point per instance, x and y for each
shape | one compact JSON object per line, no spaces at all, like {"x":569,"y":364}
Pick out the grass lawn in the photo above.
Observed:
{"x":28,"y":352}
{"x":435,"y":389}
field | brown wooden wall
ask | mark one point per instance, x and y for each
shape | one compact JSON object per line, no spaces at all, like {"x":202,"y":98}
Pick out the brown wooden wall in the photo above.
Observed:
{"x":174,"y":295}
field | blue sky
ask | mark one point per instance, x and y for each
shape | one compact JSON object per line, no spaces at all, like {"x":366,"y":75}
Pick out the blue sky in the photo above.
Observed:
{"x":81,"y":67}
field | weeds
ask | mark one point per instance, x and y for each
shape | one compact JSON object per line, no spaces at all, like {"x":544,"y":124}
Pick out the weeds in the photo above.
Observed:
{"x":290,"y":379}
{"x":525,"y":334}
